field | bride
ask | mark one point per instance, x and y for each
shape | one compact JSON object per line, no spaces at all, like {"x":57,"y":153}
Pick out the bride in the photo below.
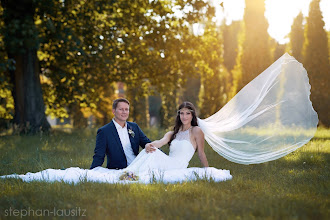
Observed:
{"x":186,"y":138}
{"x":269,"y":118}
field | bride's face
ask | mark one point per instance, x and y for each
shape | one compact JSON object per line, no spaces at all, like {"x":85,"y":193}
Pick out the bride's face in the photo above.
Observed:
{"x":185,"y":116}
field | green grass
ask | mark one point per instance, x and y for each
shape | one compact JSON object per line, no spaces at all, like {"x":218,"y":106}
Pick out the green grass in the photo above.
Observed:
{"x":293,"y":187}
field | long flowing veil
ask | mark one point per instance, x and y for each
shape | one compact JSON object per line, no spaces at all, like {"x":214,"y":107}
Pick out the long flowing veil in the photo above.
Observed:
{"x":269,"y":118}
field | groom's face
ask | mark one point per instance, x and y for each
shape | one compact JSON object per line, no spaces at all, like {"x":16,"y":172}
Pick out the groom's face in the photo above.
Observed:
{"x":121,"y":112}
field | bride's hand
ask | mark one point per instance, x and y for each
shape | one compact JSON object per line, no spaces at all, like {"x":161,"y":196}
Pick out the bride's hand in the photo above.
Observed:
{"x":150,"y":148}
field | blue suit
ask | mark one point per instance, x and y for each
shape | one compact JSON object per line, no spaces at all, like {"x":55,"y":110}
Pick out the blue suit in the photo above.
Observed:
{"x":108,"y":143}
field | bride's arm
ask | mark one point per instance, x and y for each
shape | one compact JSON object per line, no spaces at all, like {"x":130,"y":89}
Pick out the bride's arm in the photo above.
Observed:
{"x":159,"y":143}
{"x":199,"y":137}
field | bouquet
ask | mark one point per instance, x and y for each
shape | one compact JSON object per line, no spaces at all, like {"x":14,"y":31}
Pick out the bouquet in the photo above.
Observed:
{"x":130,"y":176}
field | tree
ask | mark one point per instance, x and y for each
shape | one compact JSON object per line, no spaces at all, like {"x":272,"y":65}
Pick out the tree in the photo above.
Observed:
{"x":214,"y":76}
{"x":230,"y":43}
{"x":6,"y":100}
{"x":297,"y":37}
{"x":127,"y":41}
{"x":279,"y":51}
{"x":103,"y":111}
{"x":256,"y":55}
{"x":21,"y":43}
{"x":84,"y":45}
{"x":94,"y":44}
{"x":329,"y":44}
{"x":316,"y":61}
{"x":236,"y":72}
{"x":179,"y":56}
{"x":139,"y":106}
{"x":233,"y":36}
{"x":191,"y":89}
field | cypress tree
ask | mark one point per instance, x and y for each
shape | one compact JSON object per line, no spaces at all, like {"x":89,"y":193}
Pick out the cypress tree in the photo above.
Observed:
{"x":297,"y":37}
{"x":316,"y":61}
{"x":230,"y":43}
{"x":256,"y":55}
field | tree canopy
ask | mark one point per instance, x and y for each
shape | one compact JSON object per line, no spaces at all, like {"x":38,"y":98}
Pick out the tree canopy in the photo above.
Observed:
{"x":71,"y":58}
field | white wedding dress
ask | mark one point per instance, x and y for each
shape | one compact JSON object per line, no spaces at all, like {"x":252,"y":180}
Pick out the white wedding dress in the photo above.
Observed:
{"x":150,"y":167}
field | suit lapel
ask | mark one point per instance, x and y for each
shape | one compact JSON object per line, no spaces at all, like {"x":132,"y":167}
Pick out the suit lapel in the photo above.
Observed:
{"x":129,"y":135}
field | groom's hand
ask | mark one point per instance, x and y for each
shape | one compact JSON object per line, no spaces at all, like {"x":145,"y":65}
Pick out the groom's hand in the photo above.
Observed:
{"x":150,"y":148}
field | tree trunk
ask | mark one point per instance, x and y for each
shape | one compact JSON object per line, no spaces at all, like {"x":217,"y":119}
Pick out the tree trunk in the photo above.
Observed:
{"x":29,"y":105}
{"x":79,"y":121}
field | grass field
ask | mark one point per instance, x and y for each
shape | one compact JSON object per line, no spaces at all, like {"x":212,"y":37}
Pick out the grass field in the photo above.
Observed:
{"x":293,"y":187}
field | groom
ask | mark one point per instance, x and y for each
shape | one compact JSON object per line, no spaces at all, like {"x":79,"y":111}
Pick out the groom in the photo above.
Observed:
{"x":119,"y":140}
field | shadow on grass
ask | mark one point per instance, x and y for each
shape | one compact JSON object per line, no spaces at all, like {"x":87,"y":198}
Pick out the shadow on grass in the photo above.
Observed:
{"x":320,"y":139}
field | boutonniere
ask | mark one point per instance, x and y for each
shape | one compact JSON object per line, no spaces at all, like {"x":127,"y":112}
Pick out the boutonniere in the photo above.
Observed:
{"x":131,"y":132}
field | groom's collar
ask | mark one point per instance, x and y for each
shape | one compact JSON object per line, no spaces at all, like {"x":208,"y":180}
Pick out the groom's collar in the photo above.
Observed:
{"x":118,"y":126}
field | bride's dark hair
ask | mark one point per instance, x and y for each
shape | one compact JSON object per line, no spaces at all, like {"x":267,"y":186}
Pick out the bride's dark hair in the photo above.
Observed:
{"x":178,"y":122}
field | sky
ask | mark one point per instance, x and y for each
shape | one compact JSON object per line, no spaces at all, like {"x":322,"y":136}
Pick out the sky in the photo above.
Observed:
{"x":279,"y":13}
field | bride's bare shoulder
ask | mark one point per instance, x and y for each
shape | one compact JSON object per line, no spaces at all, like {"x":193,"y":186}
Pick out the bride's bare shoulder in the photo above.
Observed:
{"x":197,"y":131}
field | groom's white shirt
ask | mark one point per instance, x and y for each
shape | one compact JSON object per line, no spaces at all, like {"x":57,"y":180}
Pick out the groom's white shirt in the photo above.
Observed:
{"x":124,"y":139}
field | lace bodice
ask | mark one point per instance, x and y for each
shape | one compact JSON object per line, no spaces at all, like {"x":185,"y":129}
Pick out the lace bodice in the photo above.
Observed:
{"x":183,"y":135}
{"x":181,"y":147}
